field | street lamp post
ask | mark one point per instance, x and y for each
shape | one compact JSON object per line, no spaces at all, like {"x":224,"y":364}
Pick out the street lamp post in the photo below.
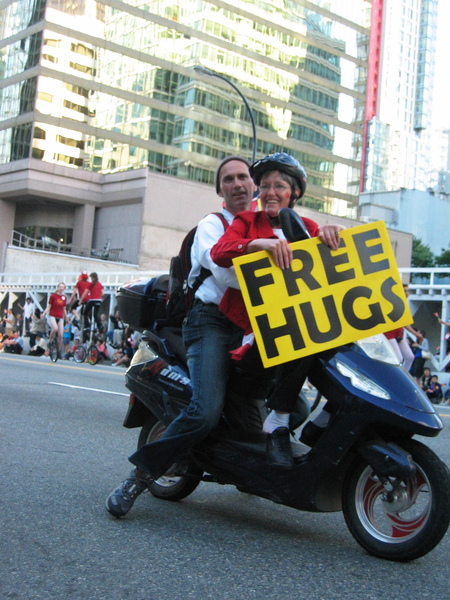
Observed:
{"x":205,"y":71}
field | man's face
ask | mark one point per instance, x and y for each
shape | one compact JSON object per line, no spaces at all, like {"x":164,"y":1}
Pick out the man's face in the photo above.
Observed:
{"x":236,"y":186}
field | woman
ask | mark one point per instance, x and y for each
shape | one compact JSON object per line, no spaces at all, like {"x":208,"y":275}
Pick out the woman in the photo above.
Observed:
{"x":56,"y":308}
{"x":38,"y":326}
{"x":282,"y":181}
{"x":419,"y":361}
{"x":95,"y":291}
{"x":400,"y":345}
{"x":74,"y":302}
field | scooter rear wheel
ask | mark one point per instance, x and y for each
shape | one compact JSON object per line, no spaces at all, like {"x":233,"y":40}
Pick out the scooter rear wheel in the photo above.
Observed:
{"x":413,"y":521}
{"x":179,"y":481}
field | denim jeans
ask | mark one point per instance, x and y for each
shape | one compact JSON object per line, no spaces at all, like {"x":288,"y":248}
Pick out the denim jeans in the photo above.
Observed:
{"x":208,"y":336}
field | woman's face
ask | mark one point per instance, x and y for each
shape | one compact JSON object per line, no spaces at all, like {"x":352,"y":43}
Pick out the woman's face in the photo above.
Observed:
{"x":275,"y":193}
{"x":61,"y":288}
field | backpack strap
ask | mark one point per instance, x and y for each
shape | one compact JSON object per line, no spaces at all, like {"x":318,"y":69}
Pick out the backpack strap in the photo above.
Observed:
{"x":204,"y":272}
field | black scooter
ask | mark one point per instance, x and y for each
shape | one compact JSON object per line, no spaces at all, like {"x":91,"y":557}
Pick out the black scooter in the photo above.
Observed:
{"x":393,"y":490}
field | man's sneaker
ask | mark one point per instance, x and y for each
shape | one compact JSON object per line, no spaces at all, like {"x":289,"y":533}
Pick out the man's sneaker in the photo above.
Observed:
{"x":120,"y":501}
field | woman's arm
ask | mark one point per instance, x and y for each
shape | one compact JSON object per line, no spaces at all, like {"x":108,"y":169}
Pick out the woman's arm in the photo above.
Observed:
{"x":233,"y":243}
{"x":443,"y":322}
{"x":280,"y":249}
{"x":417,"y":335}
{"x":47,"y":310}
{"x":209,"y":231}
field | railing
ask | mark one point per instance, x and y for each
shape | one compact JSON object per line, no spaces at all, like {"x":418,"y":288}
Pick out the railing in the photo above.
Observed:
{"x":430,"y":279}
{"x":425,"y":285}
{"x":47,"y":282}
{"x":47,"y":244}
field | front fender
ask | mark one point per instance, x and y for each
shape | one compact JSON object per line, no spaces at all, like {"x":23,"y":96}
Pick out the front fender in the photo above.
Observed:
{"x":387,"y":459}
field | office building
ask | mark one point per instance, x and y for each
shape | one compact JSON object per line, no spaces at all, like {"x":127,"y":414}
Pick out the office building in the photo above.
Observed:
{"x":399,"y":143}
{"x":92,"y":91}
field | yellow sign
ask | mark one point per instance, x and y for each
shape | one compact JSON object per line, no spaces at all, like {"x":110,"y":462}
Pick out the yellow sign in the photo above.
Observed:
{"x":326,"y":298}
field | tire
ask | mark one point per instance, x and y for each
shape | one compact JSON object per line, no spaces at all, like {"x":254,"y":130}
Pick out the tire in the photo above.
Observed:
{"x":79,"y":354}
{"x":92,"y":354}
{"x":414,"y":522}
{"x":169,"y":486}
{"x":53,"y":350}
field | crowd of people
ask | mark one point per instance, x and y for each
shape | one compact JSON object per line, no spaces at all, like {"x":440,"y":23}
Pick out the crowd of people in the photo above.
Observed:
{"x":68,"y":321}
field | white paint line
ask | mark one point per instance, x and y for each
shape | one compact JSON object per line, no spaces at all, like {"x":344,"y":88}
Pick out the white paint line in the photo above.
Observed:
{"x":79,"y":387}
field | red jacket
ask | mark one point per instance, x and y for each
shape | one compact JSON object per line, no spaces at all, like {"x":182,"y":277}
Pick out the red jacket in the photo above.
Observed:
{"x":246,"y":226}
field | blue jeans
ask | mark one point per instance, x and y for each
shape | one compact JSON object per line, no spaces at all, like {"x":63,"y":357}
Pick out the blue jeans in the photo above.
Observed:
{"x":208,"y":336}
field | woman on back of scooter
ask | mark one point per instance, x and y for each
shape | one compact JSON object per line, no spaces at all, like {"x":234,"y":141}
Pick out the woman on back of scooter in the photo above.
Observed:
{"x":282,"y":181}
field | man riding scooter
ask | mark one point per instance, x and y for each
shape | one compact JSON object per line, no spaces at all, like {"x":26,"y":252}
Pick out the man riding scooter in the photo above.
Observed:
{"x":208,"y":337}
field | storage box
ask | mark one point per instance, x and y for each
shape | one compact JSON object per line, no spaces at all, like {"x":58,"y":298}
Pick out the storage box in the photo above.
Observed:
{"x":142,"y":301}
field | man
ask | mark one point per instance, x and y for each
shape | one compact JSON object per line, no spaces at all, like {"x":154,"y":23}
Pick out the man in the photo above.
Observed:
{"x":434,"y":392}
{"x":40,"y":347}
{"x":13,"y":345}
{"x":28,"y":310}
{"x":208,"y":336}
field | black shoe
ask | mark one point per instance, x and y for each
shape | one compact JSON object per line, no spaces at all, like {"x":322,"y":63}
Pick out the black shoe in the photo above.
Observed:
{"x":278,"y":448}
{"x":311,"y":433}
{"x":120,"y":501}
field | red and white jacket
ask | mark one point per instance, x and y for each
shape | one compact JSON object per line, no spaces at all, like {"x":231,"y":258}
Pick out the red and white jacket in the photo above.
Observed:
{"x":246,"y":226}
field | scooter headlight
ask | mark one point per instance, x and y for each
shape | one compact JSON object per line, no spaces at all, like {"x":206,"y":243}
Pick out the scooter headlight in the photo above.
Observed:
{"x":378,"y":347}
{"x":143,"y":354}
{"x":361,"y":382}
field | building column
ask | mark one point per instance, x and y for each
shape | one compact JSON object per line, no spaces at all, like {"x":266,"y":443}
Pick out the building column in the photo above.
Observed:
{"x":83,"y":229}
{"x":8,"y":214}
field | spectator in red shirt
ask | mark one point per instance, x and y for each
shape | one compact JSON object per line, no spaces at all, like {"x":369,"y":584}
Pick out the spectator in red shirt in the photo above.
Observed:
{"x":95,"y":291}
{"x":81,"y":285}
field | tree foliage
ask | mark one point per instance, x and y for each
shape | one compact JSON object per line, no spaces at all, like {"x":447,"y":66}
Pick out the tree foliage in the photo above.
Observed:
{"x":444,"y":259}
{"x":422,"y":256}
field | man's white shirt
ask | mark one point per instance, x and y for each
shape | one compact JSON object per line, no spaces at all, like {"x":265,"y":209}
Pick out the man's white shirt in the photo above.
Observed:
{"x":209,"y":231}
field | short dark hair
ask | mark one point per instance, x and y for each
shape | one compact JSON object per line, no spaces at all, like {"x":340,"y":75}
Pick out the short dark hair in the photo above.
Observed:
{"x":224,"y":162}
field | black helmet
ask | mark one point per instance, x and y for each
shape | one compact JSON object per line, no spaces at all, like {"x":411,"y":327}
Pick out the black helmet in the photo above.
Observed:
{"x":280,"y":161}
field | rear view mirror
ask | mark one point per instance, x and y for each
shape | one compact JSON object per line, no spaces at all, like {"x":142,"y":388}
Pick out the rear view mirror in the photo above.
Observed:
{"x":292,"y":225}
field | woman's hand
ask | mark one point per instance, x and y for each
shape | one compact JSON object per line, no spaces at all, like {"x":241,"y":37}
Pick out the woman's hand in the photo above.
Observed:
{"x":280,"y":250}
{"x":330,"y":235}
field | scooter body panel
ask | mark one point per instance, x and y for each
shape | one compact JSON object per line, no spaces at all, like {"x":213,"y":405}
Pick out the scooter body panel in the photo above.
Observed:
{"x":315,"y":483}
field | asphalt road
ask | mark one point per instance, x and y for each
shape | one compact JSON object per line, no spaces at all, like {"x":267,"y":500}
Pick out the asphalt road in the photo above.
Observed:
{"x":63,"y":448}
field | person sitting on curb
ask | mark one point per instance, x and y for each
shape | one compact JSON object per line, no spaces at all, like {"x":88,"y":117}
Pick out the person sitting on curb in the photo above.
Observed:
{"x":434,"y":392}
{"x":40,"y":348}
{"x":13,"y":345}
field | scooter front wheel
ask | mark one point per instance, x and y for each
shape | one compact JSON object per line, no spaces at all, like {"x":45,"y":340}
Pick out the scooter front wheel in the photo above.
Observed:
{"x":412,"y":521}
{"x":179,"y":481}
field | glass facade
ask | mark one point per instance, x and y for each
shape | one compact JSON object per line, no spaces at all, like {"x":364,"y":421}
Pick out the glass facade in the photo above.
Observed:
{"x":109,"y":87}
